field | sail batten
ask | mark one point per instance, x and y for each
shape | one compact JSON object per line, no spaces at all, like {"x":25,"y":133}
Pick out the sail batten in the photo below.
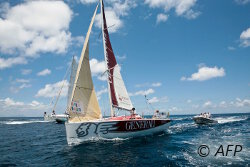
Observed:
{"x":118,"y":93}
{"x":84,"y":103}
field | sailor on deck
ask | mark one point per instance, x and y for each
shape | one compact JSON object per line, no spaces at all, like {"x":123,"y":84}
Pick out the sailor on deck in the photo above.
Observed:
{"x":156,"y":114}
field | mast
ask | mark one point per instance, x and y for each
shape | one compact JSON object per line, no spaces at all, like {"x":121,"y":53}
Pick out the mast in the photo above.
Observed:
{"x":117,"y":91}
{"x":104,"y":46}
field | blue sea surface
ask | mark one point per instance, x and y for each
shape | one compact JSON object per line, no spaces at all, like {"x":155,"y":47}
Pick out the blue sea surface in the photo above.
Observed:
{"x":33,"y":142}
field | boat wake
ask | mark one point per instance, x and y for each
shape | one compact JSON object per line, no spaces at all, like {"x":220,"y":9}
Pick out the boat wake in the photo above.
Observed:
{"x":96,"y":139}
{"x":180,"y":127}
{"x":21,"y":122}
{"x":222,"y":120}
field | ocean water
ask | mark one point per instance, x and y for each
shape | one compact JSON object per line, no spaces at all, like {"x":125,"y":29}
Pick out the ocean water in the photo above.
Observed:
{"x":33,"y":142}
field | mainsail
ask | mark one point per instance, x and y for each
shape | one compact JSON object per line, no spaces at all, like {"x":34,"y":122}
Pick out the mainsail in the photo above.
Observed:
{"x":118,"y":93}
{"x":71,"y":81}
{"x":84,"y":103}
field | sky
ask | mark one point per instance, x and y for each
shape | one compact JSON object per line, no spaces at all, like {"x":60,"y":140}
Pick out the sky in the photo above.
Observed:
{"x":186,"y":56}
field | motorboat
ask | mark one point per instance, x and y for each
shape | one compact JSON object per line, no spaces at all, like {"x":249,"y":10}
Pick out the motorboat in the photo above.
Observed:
{"x":204,"y":119}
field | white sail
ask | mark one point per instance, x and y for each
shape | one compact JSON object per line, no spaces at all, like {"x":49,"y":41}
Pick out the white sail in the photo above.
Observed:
{"x":84,"y":103}
{"x":121,"y":93}
{"x":118,"y":93}
{"x":71,"y":81}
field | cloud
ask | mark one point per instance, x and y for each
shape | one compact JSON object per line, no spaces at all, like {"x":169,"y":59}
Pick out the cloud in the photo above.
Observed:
{"x":161,"y":18}
{"x":157,"y":100}
{"x":157,"y":84}
{"x":78,"y":40}
{"x":22,"y":80}
{"x":189,"y":101}
{"x":181,"y":7}
{"x":44,"y":72}
{"x":26,"y":71}
{"x":205,"y":73}
{"x":223,"y":104}
{"x":10,"y":107}
{"x":245,"y":38}
{"x":142,"y":92}
{"x":19,"y":84}
{"x":100,"y":92}
{"x":174,"y":109}
{"x":97,"y":67}
{"x":121,"y":57}
{"x":114,"y":11}
{"x":9,"y":62}
{"x":36,"y":26}
{"x":231,"y":48}
{"x":11,"y":102}
{"x":208,"y":104}
{"x":88,"y":1}
{"x":242,"y":2}
{"x":52,"y":90}
{"x":241,"y":103}
{"x":153,"y":100}
{"x":113,"y":21}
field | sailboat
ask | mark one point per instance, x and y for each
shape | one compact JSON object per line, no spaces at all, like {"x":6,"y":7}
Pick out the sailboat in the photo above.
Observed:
{"x":85,"y":119}
{"x":62,"y":118}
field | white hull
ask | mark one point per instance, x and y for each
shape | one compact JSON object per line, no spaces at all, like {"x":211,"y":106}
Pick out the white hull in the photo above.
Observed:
{"x":53,"y":117}
{"x":203,"y":120}
{"x":83,"y":131}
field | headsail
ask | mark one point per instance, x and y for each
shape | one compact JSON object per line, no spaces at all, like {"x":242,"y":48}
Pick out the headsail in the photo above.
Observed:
{"x":84,"y":103}
{"x":71,"y":81}
{"x":118,"y":92}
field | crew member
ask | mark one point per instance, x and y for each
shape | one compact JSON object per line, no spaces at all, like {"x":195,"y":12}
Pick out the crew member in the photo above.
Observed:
{"x":156,"y":114}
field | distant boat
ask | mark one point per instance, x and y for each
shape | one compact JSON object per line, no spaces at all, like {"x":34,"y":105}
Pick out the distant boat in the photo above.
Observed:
{"x":85,"y":119}
{"x":59,"y":118}
{"x":204,"y":119}
{"x":62,"y":118}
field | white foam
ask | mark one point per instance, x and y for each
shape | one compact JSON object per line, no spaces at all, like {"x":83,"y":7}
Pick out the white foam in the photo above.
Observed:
{"x":222,"y":120}
{"x":21,"y":122}
{"x":76,"y":141}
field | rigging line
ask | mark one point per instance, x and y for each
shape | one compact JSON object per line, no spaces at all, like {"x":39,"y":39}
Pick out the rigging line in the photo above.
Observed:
{"x":59,"y":93}
{"x":110,"y":49}
{"x":146,"y":101}
{"x":103,"y":30}
{"x":148,"y":104}
{"x":107,"y":71}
